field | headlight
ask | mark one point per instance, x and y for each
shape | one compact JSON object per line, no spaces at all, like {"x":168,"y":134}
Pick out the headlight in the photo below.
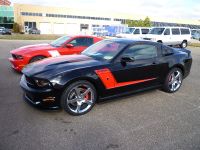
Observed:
{"x":56,"y":80}
{"x":17,"y":56}
{"x":42,"y":83}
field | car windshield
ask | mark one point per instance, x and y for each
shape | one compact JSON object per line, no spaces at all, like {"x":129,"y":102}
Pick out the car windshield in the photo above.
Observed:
{"x":104,"y":50}
{"x":60,"y":41}
{"x":157,"y":31}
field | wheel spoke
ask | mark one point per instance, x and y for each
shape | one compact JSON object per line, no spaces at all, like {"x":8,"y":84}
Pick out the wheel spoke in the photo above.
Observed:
{"x":71,"y":101}
{"x":78,"y":107}
{"x":86,"y":92}
{"x":177,"y":76}
{"x":77,"y":90}
{"x":173,"y":86}
{"x":89,"y":102}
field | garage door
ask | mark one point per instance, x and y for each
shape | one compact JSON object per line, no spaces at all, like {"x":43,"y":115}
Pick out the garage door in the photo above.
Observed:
{"x":45,"y":28}
{"x":72,"y":28}
{"x":59,"y":28}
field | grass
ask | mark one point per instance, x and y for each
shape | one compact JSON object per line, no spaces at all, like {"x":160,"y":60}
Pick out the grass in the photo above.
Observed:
{"x":194,"y":44}
{"x":29,"y":37}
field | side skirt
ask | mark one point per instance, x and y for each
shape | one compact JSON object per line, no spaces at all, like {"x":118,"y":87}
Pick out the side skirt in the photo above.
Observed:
{"x":128,"y":93}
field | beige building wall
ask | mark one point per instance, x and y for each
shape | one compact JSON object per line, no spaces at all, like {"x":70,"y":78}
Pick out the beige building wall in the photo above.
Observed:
{"x":18,"y":8}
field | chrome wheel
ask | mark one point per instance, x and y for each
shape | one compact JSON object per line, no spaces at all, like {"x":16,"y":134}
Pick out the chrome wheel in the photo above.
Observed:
{"x":80,"y":98}
{"x":175,"y":80}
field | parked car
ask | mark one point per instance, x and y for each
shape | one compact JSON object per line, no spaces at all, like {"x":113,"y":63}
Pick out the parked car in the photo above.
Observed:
{"x":193,"y":31}
{"x":107,"y":69}
{"x":65,"y":45}
{"x":5,"y":32}
{"x":125,"y":34}
{"x":196,"y":36}
{"x":137,"y":33}
{"x":33,"y":31}
{"x":170,"y":35}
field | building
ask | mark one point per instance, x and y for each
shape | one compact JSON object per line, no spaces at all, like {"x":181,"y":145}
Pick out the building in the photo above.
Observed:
{"x":56,"y":20}
{"x":5,"y":2}
{"x":60,"y":20}
{"x":6,"y":16}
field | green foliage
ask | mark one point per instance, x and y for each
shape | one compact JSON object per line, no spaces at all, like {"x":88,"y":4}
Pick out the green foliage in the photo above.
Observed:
{"x":139,"y":23}
{"x":16,"y":28}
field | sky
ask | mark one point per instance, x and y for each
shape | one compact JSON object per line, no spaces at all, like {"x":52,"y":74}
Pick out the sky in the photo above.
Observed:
{"x":180,"y":9}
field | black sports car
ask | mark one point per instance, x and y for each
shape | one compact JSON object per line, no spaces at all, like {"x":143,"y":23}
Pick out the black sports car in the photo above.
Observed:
{"x":107,"y":69}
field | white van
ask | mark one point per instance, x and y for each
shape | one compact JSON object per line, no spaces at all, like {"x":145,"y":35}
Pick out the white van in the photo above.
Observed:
{"x":170,"y":35}
{"x":137,"y":33}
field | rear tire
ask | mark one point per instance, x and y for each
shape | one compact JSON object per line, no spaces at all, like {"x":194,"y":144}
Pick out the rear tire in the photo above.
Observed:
{"x":183,"y":44}
{"x":159,"y":41}
{"x":36,"y":58}
{"x":79,"y":98}
{"x":173,"y":80}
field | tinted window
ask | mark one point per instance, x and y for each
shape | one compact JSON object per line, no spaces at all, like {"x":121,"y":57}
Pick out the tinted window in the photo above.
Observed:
{"x":145,"y":31}
{"x":175,"y":31}
{"x":60,"y":41}
{"x":185,"y":31}
{"x":167,"y":32}
{"x":104,"y":50}
{"x":142,"y":51}
{"x":82,"y":42}
{"x":137,"y":31}
{"x":157,"y":31}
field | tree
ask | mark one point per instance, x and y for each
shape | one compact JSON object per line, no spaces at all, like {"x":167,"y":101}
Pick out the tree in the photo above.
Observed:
{"x":147,"y":22}
{"x":139,"y":23}
{"x":16,"y":28}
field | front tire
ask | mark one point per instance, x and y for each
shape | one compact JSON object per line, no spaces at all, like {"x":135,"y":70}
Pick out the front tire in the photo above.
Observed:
{"x":173,"y":80}
{"x":79,"y":98}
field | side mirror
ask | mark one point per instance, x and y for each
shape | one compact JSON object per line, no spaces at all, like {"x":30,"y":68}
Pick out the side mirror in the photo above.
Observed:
{"x":125,"y":59}
{"x":69,"y":45}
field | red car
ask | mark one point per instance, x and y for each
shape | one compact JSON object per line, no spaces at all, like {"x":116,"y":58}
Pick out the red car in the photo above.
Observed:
{"x":65,"y":45}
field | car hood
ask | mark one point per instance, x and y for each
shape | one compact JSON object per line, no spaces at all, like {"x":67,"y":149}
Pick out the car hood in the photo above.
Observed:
{"x":51,"y":67}
{"x":30,"y":48}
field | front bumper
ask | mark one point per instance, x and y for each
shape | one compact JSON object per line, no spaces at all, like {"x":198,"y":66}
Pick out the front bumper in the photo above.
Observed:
{"x":41,"y":98}
{"x":17,"y":65}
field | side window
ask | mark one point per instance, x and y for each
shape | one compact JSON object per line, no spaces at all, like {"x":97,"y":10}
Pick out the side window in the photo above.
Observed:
{"x":175,"y":31}
{"x":167,"y":32}
{"x":145,"y":31}
{"x":143,"y":51}
{"x":137,"y":31}
{"x":89,"y":41}
{"x":82,"y":42}
{"x":185,"y":31}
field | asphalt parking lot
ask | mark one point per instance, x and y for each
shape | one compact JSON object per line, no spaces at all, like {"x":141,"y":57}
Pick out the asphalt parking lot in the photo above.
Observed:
{"x":148,"y":120}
